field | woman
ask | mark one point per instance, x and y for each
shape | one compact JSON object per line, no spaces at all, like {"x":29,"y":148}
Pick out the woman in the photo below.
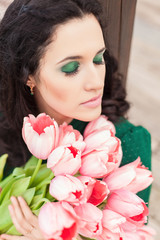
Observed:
{"x":54,"y":59}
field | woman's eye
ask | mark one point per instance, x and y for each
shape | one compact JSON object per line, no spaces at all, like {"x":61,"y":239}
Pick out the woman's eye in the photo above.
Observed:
{"x":70,"y":68}
{"x":98,"y":59}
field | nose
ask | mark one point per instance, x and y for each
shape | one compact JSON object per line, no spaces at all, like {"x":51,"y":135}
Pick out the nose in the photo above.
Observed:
{"x":94,"y":77}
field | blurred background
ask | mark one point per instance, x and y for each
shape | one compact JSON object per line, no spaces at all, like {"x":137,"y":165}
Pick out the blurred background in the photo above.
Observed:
{"x":143,"y":86}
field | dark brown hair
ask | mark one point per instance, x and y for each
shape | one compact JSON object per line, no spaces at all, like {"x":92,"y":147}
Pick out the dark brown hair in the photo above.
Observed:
{"x":25,"y":32}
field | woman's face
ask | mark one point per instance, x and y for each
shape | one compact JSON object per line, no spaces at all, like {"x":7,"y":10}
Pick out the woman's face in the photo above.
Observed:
{"x":72,"y":72}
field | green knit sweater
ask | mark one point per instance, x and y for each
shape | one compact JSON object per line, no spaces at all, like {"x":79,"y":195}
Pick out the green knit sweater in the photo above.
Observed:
{"x":136,"y":142}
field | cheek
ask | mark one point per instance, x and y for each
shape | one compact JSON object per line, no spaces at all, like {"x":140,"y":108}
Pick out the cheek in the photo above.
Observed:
{"x":103,"y":72}
{"x":57,"y":92}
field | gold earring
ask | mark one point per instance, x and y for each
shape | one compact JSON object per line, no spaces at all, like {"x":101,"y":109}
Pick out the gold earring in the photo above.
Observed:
{"x":32,"y":90}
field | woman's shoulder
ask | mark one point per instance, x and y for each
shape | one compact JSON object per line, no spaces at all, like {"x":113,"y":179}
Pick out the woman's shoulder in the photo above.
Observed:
{"x":136,"y":142}
{"x":123,"y":127}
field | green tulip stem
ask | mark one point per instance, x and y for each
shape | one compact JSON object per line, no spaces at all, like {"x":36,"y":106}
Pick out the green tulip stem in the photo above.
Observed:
{"x":35,"y":171}
{"x":51,"y":176}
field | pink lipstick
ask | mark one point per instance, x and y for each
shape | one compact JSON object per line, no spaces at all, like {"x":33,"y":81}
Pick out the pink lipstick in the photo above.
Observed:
{"x":93,"y":102}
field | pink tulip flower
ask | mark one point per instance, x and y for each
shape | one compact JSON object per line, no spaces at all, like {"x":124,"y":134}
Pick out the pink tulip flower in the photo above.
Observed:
{"x":111,"y":223}
{"x":64,"y":160}
{"x":96,"y":191}
{"x":68,"y":135}
{"x":94,"y":164}
{"x":101,"y":162}
{"x":88,"y":184}
{"x":132,"y":177}
{"x":108,"y":235}
{"x":101,"y":122}
{"x":114,"y":156}
{"x":67,"y":188}
{"x":146,"y":233}
{"x":142,"y":179}
{"x":99,"y":194}
{"x":57,"y":220}
{"x":133,"y":235}
{"x":40,"y":134}
{"x":103,"y":152}
{"x":100,"y":140}
{"x":128,"y":205}
{"x":120,"y":177}
{"x":91,"y":220}
{"x":143,"y":233}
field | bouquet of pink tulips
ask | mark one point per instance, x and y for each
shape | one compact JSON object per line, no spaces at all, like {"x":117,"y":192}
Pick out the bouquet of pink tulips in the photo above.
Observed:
{"x":91,"y":195}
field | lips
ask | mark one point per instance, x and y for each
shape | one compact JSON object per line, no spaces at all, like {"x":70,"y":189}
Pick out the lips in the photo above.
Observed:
{"x":93,"y":102}
{"x":92,"y":99}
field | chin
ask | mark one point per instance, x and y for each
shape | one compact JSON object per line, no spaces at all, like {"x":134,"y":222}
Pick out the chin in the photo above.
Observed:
{"x":91,"y":115}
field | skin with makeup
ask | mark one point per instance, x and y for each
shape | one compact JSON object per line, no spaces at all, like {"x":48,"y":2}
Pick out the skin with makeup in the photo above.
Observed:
{"x":79,"y":67}
{"x":71,"y":77}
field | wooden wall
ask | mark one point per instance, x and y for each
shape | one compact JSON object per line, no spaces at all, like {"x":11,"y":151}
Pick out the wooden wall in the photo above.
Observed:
{"x":119,"y":15}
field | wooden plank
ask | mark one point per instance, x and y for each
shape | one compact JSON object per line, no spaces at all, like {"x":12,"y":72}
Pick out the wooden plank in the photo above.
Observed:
{"x":119,"y":15}
{"x":127,"y":22}
{"x":112,"y":9}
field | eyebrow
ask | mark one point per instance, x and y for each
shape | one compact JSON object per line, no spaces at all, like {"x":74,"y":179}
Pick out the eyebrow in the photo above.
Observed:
{"x":79,"y":57}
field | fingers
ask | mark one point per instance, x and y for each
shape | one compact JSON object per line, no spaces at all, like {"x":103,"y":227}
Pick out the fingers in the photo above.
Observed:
{"x":29,"y":216}
{"x":10,"y":237}
{"x":18,"y":218}
{"x":24,"y":220}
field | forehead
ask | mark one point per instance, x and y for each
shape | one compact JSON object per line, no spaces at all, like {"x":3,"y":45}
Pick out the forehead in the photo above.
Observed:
{"x":77,"y":36}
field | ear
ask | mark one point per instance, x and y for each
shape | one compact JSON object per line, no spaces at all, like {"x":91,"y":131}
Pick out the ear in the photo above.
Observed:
{"x":31,"y":82}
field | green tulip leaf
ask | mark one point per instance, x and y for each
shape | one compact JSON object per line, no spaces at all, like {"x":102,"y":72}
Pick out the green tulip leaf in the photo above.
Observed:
{"x":85,"y":238}
{"x":4,"y":196}
{"x":49,"y":197}
{"x":20,"y":186}
{"x":38,"y":195}
{"x":44,"y":183}
{"x":28,"y":195}
{"x":29,"y":171}
{"x":102,"y":205}
{"x":13,"y":231}
{"x":18,"y":172}
{"x":32,"y":162}
{"x":6,"y":180}
{"x":43,"y":174}
{"x":3,"y":160}
{"x":40,"y":191}
{"x":39,"y":204}
{"x":5,"y":222}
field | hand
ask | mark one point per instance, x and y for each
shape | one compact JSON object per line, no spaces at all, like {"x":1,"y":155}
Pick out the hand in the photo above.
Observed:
{"x":24,"y":220}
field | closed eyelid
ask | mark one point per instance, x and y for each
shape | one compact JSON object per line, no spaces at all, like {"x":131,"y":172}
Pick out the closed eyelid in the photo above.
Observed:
{"x":70,"y":67}
{"x":98,"y":57}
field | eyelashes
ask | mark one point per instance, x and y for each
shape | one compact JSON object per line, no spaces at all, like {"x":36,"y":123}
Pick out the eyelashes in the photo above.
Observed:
{"x":72,"y":68}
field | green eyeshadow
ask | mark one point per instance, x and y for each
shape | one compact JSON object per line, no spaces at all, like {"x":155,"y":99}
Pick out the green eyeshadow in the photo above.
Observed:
{"x":98,"y":58}
{"x":70,"y":67}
